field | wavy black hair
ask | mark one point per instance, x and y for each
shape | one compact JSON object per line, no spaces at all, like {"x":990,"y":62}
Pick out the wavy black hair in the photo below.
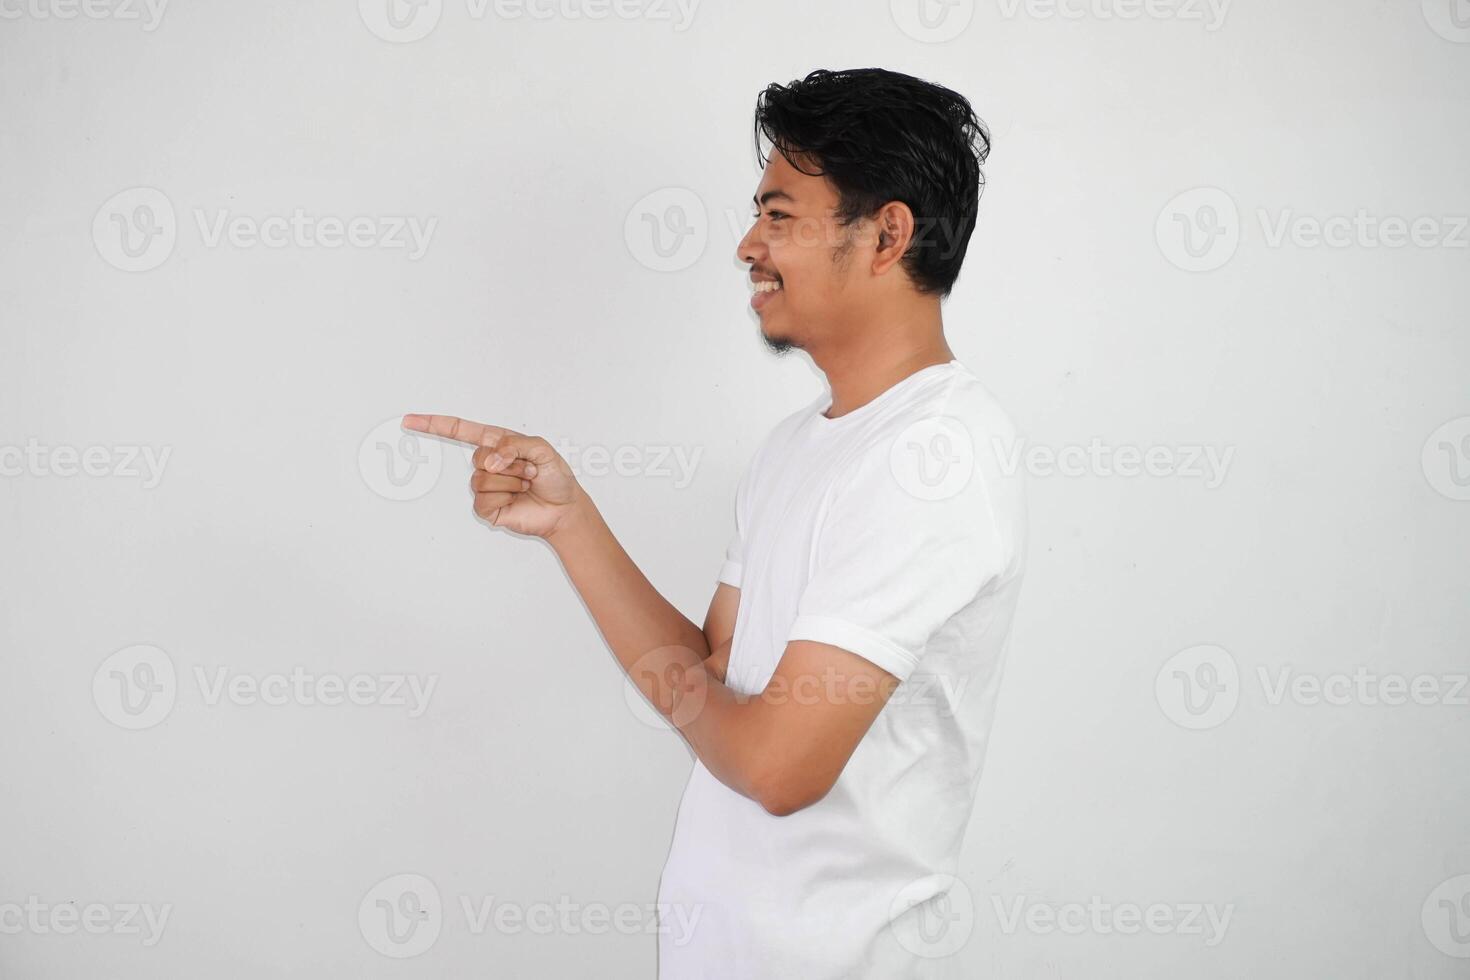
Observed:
{"x":882,"y":136}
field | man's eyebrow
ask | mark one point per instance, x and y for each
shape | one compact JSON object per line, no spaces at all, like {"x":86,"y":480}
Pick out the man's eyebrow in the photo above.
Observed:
{"x":769,"y":196}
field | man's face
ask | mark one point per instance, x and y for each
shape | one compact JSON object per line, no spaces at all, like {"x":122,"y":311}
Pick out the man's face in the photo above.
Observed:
{"x":797,"y":243}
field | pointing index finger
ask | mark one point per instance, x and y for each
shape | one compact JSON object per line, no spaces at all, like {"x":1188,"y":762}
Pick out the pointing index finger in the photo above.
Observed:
{"x":460,"y":430}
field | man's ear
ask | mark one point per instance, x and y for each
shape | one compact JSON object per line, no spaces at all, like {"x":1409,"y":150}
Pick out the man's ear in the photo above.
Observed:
{"x":895,"y":224}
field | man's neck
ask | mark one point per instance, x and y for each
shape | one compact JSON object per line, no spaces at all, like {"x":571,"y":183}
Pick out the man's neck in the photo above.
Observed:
{"x":871,"y":361}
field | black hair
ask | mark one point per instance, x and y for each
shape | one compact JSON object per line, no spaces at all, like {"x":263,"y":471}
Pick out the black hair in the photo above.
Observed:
{"x":882,"y":136}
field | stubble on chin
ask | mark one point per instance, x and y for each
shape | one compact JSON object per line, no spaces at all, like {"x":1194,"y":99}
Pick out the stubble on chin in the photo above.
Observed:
{"x":779,"y":346}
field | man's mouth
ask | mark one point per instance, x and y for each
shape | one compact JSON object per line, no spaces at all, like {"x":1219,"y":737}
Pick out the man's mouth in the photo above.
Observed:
{"x":766,"y":290}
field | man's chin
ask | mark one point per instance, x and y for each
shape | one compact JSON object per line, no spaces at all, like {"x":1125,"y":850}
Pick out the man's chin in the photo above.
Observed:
{"x":778,"y":343}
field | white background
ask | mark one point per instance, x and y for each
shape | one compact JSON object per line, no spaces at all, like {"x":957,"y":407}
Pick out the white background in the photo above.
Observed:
{"x":1334,"y":542}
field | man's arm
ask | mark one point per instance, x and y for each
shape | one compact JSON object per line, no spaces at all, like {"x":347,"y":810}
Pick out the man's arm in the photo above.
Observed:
{"x":534,"y":493}
{"x":784,"y":748}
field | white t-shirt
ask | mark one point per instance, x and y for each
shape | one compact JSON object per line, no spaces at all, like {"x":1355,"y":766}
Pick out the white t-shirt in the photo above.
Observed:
{"x":891,"y":532}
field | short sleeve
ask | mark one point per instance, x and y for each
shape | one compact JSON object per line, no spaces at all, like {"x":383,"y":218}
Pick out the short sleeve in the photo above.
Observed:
{"x":890,"y":567}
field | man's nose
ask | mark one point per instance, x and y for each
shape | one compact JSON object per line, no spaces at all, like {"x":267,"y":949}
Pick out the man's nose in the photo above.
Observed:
{"x":751,"y":248}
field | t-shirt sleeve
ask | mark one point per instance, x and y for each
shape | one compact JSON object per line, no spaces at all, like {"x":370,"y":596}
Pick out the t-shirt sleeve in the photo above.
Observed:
{"x":889,"y":568}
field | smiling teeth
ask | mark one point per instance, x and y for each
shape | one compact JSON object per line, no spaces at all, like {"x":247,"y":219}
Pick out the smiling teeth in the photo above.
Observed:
{"x":767,"y":287}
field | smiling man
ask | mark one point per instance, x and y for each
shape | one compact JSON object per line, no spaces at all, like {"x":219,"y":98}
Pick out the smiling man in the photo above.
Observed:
{"x":838,"y":697}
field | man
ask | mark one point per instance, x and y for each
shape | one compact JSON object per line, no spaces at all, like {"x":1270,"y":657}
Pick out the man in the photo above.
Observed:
{"x":839,"y":695}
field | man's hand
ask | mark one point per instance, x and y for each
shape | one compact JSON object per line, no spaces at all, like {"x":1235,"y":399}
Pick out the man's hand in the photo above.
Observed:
{"x":520,"y":482}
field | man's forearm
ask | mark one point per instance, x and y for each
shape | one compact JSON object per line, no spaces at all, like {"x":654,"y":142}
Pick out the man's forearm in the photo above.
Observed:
{"x":644,"y":630}
{"x":665,"y":654}
{"x":522,"y":483}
